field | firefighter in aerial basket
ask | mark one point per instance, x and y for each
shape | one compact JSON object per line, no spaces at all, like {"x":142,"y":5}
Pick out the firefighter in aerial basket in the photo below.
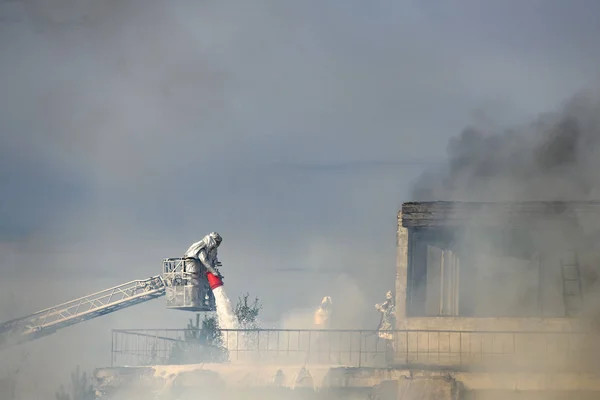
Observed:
{"x":202,"y":255}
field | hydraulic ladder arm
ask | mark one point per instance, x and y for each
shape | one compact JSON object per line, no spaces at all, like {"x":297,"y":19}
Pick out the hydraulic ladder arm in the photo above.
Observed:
{"x":48,"y":321}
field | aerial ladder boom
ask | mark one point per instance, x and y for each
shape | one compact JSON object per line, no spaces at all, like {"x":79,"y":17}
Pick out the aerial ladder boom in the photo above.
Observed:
{"x":182,"y":293}
{"x":48,"y":321}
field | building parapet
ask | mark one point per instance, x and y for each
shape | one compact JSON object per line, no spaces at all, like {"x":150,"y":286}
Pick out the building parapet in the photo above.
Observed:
{"x":500,"y":350}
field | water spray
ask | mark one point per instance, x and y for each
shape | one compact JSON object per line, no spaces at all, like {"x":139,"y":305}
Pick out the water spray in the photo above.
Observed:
{"x":225,"y":315}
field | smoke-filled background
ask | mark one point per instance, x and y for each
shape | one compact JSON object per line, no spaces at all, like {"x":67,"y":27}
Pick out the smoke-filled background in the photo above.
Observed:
{"x":555,"y":157}
{"x":129,"y":129}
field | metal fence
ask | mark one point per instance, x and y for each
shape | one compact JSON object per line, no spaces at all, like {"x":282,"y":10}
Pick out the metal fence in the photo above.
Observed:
{"x":361,"y":348}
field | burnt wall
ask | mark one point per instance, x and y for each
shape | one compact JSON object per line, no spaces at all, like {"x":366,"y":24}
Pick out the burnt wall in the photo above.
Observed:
{"x":500,"y":259}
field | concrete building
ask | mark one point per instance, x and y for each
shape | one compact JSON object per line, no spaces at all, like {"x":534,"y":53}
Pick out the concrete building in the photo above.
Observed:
{"x":494,"y":260}
{"x":495,"y":265}
{"x":507,"y":290}
{"x":493,"y":301}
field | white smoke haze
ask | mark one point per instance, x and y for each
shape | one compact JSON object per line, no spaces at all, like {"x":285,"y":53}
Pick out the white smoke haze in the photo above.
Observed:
{"x":130,"y":129}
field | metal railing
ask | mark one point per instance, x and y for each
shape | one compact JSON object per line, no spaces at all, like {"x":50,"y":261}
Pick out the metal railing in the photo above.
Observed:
{"x":280,"y":346}
{"x":490,"y":350}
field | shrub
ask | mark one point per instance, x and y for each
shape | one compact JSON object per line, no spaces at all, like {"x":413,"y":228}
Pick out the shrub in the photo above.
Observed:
{"x":81,"y":388}
{"x":204,"y":342}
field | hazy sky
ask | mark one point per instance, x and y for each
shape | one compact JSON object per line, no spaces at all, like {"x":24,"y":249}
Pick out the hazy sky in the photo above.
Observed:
{"x":130,"y":129}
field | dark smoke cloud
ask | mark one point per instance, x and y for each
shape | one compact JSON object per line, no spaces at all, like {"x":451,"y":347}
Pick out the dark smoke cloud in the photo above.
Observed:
{"x":556,"y":157}
{"x":553,"y":158}
{"x":130,"y":128}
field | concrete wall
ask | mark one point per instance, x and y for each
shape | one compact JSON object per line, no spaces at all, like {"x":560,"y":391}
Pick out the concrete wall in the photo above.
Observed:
{"x":270,"y":382}
{"x":473,"y":349}
{"x":495,"y":324}
{"x":401,"y":271}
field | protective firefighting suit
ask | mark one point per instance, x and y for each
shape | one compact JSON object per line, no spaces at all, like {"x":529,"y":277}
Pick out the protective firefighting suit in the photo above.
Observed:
{"x":203,"y":254}
{"x":388,"y":317}
{"x":323,"y":313}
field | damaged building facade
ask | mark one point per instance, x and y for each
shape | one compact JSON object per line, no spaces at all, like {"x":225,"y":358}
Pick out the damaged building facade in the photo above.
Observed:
{"x":495,"y":282}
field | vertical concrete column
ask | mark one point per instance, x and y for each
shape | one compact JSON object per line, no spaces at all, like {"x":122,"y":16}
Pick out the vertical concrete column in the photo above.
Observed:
{"x":401,"y":272}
